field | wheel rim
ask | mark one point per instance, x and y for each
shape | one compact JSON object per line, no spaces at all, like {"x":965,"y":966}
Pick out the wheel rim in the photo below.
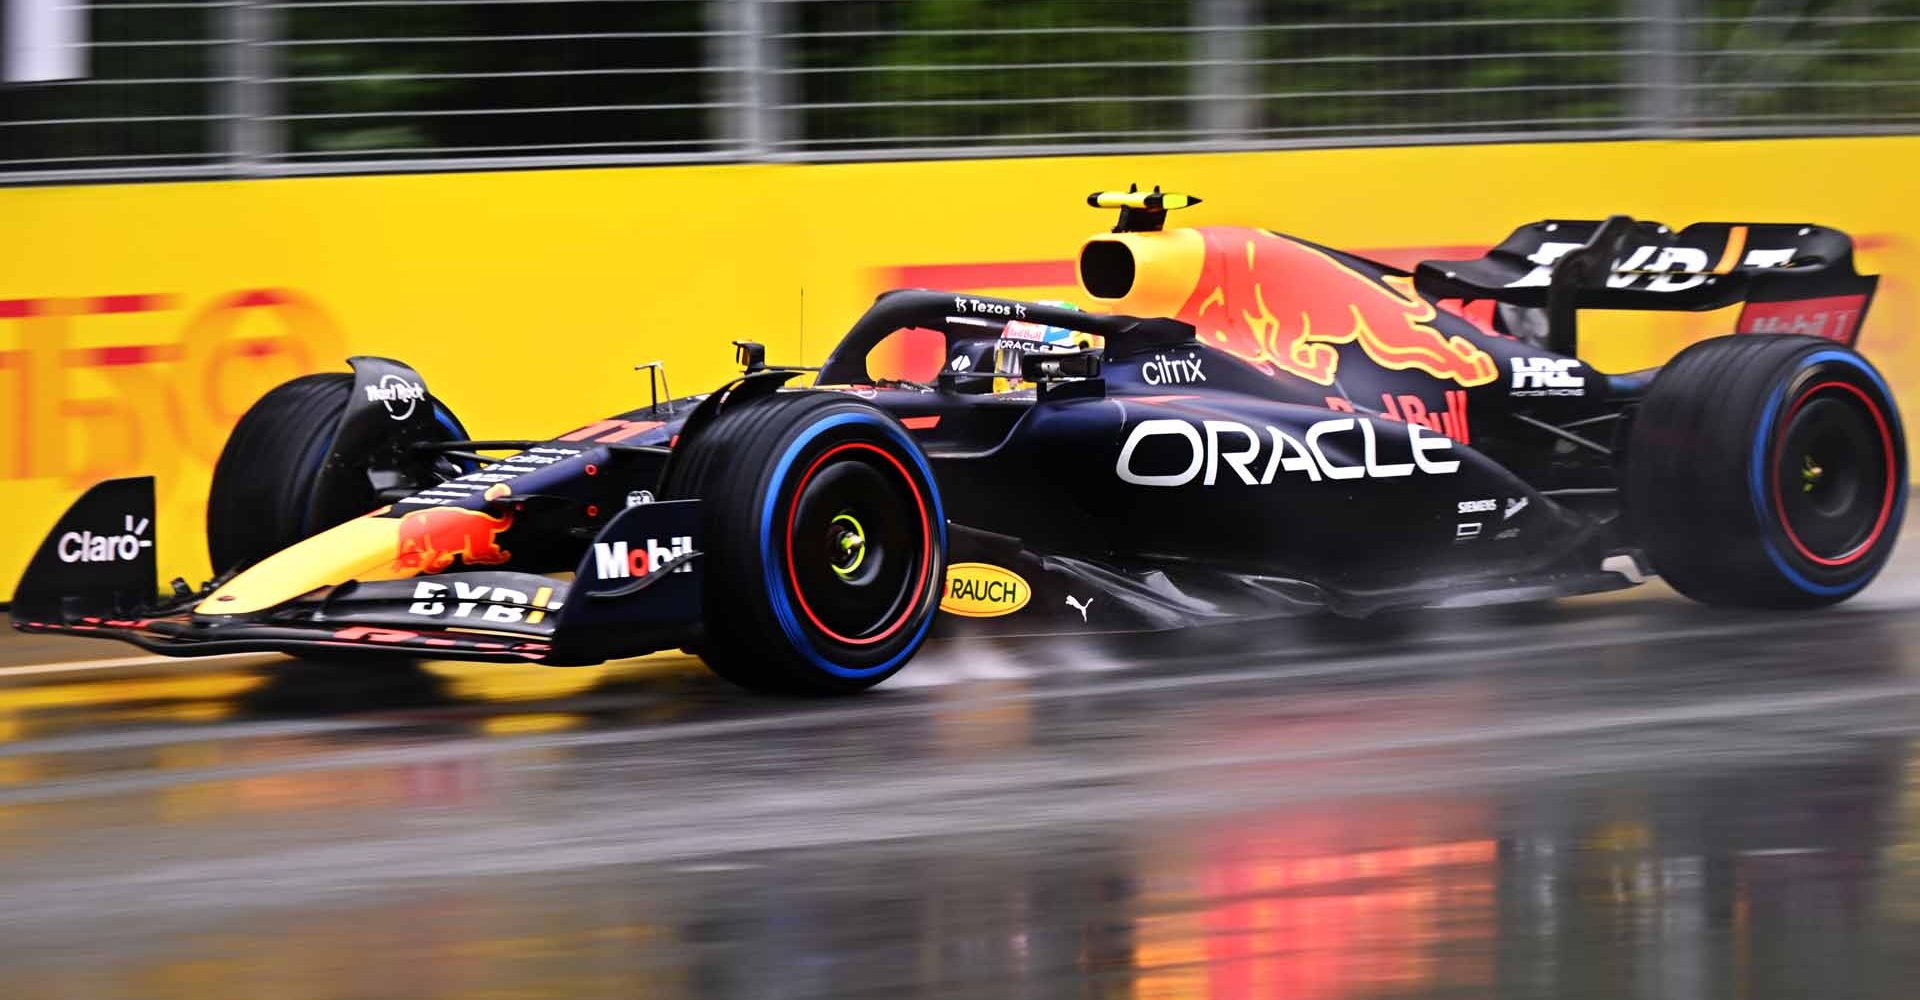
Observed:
{"x":858,"y":544}
{"x":847,"y":547}
{"x":1833,"y":473}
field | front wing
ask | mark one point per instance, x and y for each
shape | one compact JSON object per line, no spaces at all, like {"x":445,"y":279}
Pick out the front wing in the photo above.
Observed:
{"x":636,"y":589}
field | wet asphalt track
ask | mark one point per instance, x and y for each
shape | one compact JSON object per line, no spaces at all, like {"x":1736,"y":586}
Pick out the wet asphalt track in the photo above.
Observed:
{"x":1616,"y":797}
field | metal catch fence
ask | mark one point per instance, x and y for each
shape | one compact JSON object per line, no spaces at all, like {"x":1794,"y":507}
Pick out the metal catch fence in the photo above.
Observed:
{"x":151,"y":89}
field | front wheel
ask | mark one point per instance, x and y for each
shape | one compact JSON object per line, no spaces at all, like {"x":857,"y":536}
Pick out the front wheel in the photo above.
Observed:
{"x":1767,"y":471}
{"x":267,"y":488}
{"x":824,"y":538}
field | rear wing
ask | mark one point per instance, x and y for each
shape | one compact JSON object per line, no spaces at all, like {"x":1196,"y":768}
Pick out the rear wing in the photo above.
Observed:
{"x":1792,"y":278}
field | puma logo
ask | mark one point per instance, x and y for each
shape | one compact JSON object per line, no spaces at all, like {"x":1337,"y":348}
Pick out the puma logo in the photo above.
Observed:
{"x":1079,"y":606}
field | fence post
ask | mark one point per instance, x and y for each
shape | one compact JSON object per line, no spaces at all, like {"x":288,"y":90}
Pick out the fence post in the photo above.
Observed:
{"x":1661,"y":100}
{"x":42,"y":41}
{"x":754,"y":123}
{"x":1223,"y":81}
{"x":250,"y":136}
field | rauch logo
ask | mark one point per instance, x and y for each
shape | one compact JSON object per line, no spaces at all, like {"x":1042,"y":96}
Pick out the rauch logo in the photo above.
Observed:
{"x":983,"y":590}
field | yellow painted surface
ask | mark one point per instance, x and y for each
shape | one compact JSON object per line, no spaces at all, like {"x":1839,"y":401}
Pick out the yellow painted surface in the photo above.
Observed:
{"x":138,"y":321}
{"x":360,"y":549}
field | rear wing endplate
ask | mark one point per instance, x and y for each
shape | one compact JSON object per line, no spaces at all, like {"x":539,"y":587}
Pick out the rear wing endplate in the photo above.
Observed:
{"x":1792,"y":278}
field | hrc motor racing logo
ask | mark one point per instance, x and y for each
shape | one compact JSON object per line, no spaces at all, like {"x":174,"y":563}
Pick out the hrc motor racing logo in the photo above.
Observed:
{"x":1547,"y":377}
{"x":1240,"y":448}
{"x":87,"y":547}
{"x":619,"y":561}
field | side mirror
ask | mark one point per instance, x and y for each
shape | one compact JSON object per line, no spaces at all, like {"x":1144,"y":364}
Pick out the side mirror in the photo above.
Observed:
{"x":1041,"y":366}
{"x":1010,"y":361}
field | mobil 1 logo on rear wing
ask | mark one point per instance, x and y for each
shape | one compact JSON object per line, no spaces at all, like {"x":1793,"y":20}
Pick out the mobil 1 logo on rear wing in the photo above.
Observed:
{"x":1835,"y":317}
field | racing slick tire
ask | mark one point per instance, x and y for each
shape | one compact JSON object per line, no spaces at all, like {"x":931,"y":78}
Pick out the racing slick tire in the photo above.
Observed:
{"x":824,"y":542}
{"x":1766,"y":471}
{"x":264,"y":495}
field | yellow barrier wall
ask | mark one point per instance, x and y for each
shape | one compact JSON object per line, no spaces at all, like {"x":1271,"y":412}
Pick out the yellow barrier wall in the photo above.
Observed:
{"x":137,"y":322}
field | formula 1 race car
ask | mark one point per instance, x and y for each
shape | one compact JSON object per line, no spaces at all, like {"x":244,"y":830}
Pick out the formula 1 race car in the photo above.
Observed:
{"x":1249,"y":425}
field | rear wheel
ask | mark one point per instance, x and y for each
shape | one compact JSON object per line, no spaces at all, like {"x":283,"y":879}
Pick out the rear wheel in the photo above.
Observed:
{"x":824,"y":538}
{"x":265,"y":494}
{"x":1767,"y":471}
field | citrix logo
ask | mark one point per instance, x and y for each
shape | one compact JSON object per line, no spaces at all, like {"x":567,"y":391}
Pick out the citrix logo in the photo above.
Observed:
{"x":1239,"y":447}
{"x":1163,"y":370}
{"x":618,"y":561}
{"x":87,"y":547}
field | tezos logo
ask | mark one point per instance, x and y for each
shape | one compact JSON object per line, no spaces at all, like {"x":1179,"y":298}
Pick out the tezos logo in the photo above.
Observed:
{"x":986,"y":307}
{"x":398,"y":395}
{"x":1547,"y":377}
{"x":1256,"y":458}
{"x":983,"y":590}
{"x":87,"y":547}
{"x":619,"y":561}
{"x":1163,"y":370}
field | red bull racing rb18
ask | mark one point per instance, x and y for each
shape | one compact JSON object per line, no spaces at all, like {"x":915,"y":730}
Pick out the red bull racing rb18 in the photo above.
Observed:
{"x":1231,"y":423}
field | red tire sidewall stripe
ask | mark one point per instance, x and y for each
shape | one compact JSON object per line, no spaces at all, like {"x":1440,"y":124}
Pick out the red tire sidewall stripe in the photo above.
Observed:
{"x":1892,"y":474}
{"x":926,"y":544}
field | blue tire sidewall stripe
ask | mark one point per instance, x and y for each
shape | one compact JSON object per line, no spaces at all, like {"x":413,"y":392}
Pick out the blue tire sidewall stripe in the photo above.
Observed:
{"x":445,"y":418}
{"x":1756,"y":468}
{"x":772,"y":559}
{"x":441,"y":415}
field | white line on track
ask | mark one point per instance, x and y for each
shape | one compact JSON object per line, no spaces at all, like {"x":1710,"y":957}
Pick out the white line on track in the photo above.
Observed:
{"x":121,"y":663}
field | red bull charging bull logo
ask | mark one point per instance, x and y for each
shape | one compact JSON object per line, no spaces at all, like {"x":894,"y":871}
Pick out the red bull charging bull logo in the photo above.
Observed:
{"x":432,"y":537}
{"x":1283,"y":305}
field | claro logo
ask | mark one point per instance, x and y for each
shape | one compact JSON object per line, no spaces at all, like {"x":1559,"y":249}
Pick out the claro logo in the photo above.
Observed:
{"x":87,"y":547}
{"x":983,"y":590}
{"x":1256,"y":457}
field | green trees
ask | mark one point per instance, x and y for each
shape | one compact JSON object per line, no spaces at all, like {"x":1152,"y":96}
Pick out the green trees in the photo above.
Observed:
{"x":396,"y":79}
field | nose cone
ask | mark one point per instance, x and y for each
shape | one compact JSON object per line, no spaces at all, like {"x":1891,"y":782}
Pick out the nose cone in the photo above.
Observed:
{"x":1142,"y":274}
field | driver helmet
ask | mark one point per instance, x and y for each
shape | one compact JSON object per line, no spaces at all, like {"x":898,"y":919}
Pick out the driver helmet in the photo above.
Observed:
{"x":1052,"y":337}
